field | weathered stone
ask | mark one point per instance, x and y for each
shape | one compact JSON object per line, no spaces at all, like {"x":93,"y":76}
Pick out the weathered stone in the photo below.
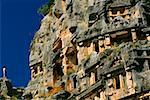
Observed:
{"x":8,"y":92}
{"x":99,"y":41}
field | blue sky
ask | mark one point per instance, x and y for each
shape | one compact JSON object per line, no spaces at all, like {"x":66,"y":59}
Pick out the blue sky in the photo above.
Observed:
{"x":19,"y":21}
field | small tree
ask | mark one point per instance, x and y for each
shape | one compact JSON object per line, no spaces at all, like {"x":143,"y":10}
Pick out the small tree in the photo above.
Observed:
{"x":46,"y":8}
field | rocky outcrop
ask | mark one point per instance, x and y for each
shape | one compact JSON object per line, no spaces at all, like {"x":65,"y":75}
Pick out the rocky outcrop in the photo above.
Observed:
{"x":5,"y":87}
{"x":8,"y":92}
{"x":86,"y":48}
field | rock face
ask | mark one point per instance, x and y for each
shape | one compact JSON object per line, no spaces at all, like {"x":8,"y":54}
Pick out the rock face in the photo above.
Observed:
{"x":92,"y":50}
{"x":7,"y":92}
{"x":5,"y":87}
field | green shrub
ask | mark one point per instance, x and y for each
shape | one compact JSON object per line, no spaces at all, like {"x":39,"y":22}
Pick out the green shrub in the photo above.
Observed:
{"x":46,"y":8}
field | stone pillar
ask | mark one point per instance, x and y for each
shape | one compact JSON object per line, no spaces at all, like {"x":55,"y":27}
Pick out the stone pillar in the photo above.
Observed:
{"x":69,"y":85}
{"x":64,"y":65}
{"x":110,"y":12}
{"x":129,"y":81}
{"x":148,"y":37}
{"x":118,"y":13}
{"x":32,"y":72}
{"x":80,"y":54}
{"x":91,"y":48}
{"x":134,"y":35}
{"x":84,"y":83}
{"x":136,"y":83}
{"x":101,"y":44}
{"x":111,"y":87}
{"x":102,"y":95}
{"x":44,"y":70}
{"x":96,"y":98}
{"x":121,"y":81}
{"x":38,"y":69}
{"x":146,"y":63}
{"x":63,"y":5}
{"x":107,"y":41}
{"x":92,"y":78}
{"x":110,"y":83}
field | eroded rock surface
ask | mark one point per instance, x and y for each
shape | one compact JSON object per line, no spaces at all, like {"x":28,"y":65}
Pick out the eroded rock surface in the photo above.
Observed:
{"x":92,"y":50}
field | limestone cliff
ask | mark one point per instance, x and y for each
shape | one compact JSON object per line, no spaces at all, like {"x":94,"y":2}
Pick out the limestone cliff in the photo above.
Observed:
{"x":5,"y":88}
{"x":8,"y":92}
{"x":91,"y":50}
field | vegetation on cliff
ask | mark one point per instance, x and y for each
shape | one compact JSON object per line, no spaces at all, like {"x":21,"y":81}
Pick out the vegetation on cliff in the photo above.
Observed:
{"x":46,"y":8}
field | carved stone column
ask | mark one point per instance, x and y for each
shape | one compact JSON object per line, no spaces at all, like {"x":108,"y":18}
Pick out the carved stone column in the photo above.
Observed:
{"x":38,"y":69}
{"x":44,"y":70}
{"x":32,"y":73}
{"x":121,"y":81}
{"x":91,"y":48}
{"x":92,"y":78}
{"x":64,"y":65}
{"x":107,"y":41}
{"x":148,"y":37}
{"x":146,"y":63}
{"x":111,"y":87}
{"x":129,"y":81}
{"x":101,"y":44}
{"x":63,"y":5}
{"x":69,"y":85}
{"x":96,"y":98}
{"x":134,"y":35}
{"x":80,"y":54}
{"x":102,"y":95}
{"x":83,"y":83}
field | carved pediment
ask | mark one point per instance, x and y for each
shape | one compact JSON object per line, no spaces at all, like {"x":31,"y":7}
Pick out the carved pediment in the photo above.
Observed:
{"x":119,"y":3}
{"x":119,"y":22}
{"x":117,"y":61}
